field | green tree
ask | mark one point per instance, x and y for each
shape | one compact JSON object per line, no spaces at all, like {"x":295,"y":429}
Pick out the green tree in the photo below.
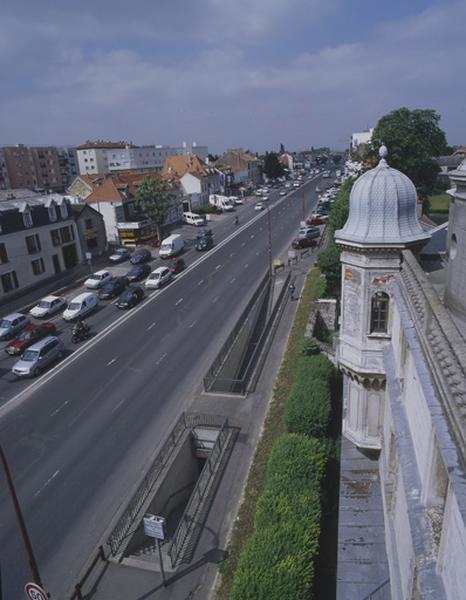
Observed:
{"x":155,"y":199}
{"x":273,"y":168}
{"x":413,"y":138}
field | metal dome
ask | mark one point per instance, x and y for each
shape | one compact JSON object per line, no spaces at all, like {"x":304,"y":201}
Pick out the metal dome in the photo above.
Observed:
{"x":382,"y":209}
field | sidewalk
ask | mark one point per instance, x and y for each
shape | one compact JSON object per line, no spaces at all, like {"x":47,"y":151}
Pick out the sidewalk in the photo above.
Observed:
{"x":196,"y":579}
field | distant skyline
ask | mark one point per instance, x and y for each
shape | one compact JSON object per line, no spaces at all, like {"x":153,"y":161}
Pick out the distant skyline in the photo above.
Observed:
{"x":250,"y":73}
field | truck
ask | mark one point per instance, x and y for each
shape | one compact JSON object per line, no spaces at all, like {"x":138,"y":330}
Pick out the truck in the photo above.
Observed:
{"x":171,"y":246}
{"x":204,"y":240}
{"x":222,"y":203}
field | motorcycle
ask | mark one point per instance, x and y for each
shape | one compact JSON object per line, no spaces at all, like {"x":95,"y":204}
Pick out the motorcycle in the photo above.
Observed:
{"x":80,"y":333}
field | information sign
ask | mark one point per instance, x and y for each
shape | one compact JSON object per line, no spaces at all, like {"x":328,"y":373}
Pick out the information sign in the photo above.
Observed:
{"x":154,"y":526}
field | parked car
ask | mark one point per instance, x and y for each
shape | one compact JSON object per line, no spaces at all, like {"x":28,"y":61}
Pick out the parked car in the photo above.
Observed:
{"x":158,"y":278}
{"x":38,"y":356}
{"x":48,"y":306}
{"x":303,"y":242}
{"x":130,"y":297}
{"x":139,"y":256}
{"x":259,"y":206}
{"x":138,"y":272}
{"x":12,"y":324}
{"x":28,"y":336}
{"x":316,"y":219}
{"x":176,"y":265}
{"x":310,"y":231}
{"x":98,"y":279}
{"x":282,"y":192}
{"x":113,"y":288}
{"x":318,"y":190}
{"x":80,"y":306}
{"x":120,"y":255}
{"x":193,"y":219}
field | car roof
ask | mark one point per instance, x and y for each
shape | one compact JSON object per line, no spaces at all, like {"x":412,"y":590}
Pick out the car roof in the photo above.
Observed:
{"x":12,"y":316}
{"x":41,"y":343}
{"x":159,"y":269}
{"x":50,"y":298}
{"x":82,"y":296}
{"x":101,"y":272}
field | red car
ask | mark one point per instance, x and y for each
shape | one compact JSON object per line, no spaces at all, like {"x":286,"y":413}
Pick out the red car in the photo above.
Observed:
{"x":176,"y":265}
{"x":28,"y":336}
{"x":316,"y":219}
{"x":303,"y":242}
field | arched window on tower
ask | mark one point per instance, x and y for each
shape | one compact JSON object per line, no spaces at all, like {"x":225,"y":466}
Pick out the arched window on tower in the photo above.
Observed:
{"x":379,"y":312}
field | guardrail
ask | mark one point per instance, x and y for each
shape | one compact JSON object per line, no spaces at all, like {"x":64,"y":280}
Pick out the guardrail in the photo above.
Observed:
{"x":77,"y":594}
{"x":198,"y":495}
{"x":382,"y":592}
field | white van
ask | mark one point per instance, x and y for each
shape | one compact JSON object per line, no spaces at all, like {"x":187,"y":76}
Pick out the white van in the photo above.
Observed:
{"x":193,"y":219}
{"x":81,"y":306}
{"x":171,"y":246}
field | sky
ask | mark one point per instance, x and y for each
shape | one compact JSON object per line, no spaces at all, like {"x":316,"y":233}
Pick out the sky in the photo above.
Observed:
{"x":226,"y":73}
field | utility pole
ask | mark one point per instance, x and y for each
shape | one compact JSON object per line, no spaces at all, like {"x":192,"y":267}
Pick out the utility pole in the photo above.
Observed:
{"x":302,"y":204}
{"x":22,"y":526}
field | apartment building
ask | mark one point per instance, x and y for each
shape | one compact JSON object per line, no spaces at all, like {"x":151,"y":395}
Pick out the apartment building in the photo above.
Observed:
{"x":20,"y":167}
{"x":39,"y":240}
{"x":47,"y":167}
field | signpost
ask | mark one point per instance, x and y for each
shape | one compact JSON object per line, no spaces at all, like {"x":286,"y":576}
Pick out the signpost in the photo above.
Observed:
{"x":155,"y":527}
{"x":89,"y":260}
{"x":34,"y":592}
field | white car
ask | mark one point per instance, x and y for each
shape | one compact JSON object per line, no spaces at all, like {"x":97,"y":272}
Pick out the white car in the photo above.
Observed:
{"x":158,"y":277}
{"x":259,"y":206}
{"x":98,"y":279}
{"x":48,"y":306}
{"x":120,"y":255}
{"x":282,"y":193}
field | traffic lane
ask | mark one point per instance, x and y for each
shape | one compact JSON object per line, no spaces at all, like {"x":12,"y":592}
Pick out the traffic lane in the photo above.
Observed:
{"x":53,"y":504}
{"x":223,"y":310}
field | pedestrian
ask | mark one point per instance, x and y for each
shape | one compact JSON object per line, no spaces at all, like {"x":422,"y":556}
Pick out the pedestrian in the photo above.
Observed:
{"x":291,"y":289}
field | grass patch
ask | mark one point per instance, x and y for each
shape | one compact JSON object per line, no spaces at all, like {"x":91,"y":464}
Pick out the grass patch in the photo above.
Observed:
{"x":438,"y":203}
{"x":274,"y":426}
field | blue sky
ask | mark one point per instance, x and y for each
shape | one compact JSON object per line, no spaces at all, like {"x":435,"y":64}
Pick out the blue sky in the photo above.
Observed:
{"x":250,"y":73}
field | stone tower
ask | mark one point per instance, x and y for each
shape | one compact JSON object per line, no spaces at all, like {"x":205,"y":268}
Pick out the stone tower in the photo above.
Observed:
{"x":382,"y":222}
{"x":455,"y":293}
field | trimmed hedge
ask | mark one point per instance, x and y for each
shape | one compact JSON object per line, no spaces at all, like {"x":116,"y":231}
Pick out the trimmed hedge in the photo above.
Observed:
{"x":309,"y":406}
{"x":277,"y":561}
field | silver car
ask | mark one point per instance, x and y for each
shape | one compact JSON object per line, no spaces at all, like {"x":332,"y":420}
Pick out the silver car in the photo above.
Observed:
{"x":12,"y":324}
{"x":38,"y":356}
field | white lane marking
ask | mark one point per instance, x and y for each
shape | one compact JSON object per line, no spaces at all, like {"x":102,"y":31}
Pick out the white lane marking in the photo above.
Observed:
{"x":214,"y":300}
{"x":192,"y":324}
{"x":218,"y":267}
{"x":179,"y":301}
{"x":117,"y":406}
{"x":151,"y":326}
{"x":232,"y":254}
{"x":46,"y":483}
{"x":246,"y":265}
{"x":257,"y":253}
{"x":201,"y":282}
{"x":112,"y":361}
{"x":233,"y":280}
{"x":252,"y":236}
{"x":57,"y":410}
{"x":161,"y":358}
{"x":243,"y":244}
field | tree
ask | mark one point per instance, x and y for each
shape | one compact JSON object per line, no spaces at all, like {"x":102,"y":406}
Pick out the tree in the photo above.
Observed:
{"x":413,"y":138}
{"x":272,"y":166}
{"x":155,"y":199}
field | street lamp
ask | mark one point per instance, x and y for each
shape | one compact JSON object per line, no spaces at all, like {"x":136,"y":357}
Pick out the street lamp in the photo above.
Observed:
{"x":269,"y":242}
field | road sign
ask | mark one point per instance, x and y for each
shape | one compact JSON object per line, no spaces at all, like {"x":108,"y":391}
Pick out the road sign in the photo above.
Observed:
{"x":34,"y":592}
{"x":88,"y":256}
{"x":154,"y":526}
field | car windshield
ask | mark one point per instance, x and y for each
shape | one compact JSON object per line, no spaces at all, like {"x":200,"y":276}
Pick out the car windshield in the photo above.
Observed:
{"x":44,"y":304}
{"x":74,"y":306}
{"x":26,"y":335}
{"x":97,"y":277}
{"x":5,"y":323}
{"x":30,"y":355}
{"x":154,"y":276}
{"x":166,"y":246}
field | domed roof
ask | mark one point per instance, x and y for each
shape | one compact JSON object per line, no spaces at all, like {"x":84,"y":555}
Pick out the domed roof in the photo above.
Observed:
{"x":382,"y":209}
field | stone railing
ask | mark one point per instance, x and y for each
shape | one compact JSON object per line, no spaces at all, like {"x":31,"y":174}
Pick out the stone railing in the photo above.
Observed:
{"x":443,"y":347}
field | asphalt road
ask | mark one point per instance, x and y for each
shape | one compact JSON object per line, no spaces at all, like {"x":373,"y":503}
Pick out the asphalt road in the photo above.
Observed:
{"x":80,"y":437}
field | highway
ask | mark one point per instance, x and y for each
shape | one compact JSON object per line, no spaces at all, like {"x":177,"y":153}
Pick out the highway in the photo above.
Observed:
{"x":78,"y":439}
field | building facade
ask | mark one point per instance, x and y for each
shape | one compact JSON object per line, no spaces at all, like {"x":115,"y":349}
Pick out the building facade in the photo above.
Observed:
{"x":403,"y":357}
{"x":39,"y":241}
{"x":90,"y":226}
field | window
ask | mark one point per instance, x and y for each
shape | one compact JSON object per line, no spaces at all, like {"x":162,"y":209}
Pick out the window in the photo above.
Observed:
{"x":64,"y":210}
{"x":88,"y":224}
{"x":55,"y":235}
{"x":379,"y":312}
{"x":9,"y":281}
{"x":67,"y":234}
{"x":3,"y":253}
{"x":38,"y":266}
{"x":33,"y":244}
{"x":27,"y":218}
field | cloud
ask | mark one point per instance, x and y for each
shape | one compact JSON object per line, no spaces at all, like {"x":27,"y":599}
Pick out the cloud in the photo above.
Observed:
{"x":93,"y":81}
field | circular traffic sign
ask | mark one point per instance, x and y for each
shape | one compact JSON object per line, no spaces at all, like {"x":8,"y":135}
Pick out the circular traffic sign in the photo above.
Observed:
{"x":34,"y":592}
